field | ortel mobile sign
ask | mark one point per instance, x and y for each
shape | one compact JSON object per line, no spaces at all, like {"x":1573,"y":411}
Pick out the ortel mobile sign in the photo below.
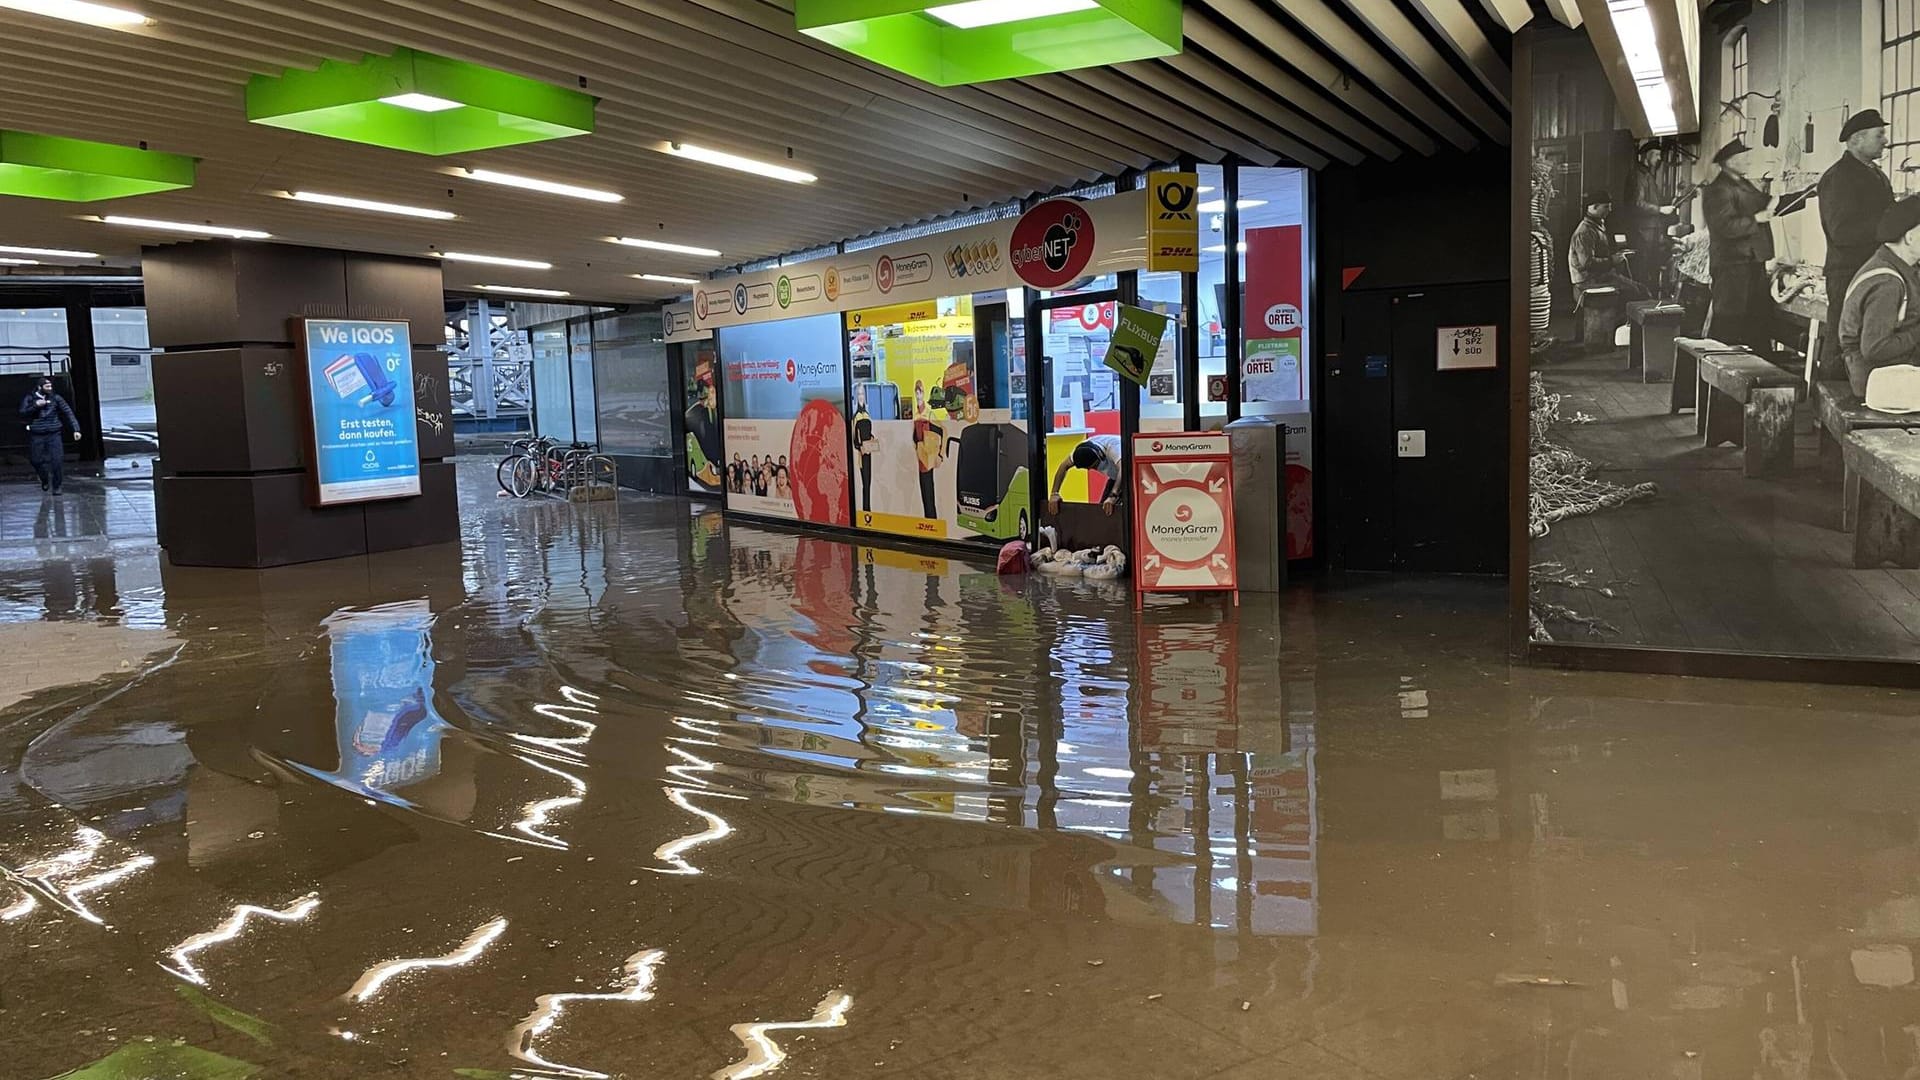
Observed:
{"x":1053,"y":244}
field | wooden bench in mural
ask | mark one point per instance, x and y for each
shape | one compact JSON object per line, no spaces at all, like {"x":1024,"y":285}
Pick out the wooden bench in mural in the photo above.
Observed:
{"x":1744,"y":400}
{"x":1841,"y":412}
{"x":1655,"y":324}
{"x":1887,"y":463}
{"x":1687,"y":352}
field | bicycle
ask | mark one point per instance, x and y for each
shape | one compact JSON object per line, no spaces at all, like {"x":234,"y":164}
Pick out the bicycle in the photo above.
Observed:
{"x":542,"y":464}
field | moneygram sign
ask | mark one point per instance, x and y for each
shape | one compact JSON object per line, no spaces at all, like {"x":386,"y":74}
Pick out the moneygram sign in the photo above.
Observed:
{"x":1183,"y":512}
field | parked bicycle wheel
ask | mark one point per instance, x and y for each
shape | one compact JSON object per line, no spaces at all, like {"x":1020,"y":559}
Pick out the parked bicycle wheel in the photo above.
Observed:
{"x":504,"y":471}
{"x":523,"y":477}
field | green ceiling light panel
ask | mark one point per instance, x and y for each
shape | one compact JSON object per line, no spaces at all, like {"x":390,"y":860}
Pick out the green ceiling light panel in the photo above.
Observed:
{"x":952,"y":44}
{"x":76,"y":170}
{"x":418,"y":102}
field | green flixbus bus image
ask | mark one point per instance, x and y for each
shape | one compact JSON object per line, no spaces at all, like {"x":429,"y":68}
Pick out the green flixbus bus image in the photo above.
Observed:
{"x":992,"y":495}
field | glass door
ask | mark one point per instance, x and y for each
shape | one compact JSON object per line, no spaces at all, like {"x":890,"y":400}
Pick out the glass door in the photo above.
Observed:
{"x":1075,"y":399}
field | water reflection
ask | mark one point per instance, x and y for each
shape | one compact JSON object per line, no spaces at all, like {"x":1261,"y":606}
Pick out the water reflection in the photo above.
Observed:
{"x":858,"y":773}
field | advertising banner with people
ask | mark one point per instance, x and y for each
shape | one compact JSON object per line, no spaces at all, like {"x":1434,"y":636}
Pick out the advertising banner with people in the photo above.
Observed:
{"x":359,"y":377}
{"x":784,"y":420}
{"x":928,"y":460}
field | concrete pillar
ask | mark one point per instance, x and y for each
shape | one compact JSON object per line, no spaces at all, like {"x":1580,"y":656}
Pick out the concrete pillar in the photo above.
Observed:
{"x":230,"y":487}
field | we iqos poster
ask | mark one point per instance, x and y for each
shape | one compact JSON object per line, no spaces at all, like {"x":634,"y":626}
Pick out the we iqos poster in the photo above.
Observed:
{"x":360,"y":389}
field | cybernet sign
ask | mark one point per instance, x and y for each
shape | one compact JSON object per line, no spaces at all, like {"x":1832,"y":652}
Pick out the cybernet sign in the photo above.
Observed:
{"x":1052,"y":243}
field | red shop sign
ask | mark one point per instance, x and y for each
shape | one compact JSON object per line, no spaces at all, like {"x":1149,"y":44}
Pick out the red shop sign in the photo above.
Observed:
{"x":1052,"y":243}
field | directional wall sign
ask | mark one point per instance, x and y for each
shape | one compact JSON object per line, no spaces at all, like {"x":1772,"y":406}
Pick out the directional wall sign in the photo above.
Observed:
{"x":1183,"y":512}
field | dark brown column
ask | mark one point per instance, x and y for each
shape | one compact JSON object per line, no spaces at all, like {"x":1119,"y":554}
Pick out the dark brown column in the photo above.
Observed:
{"x":231,"y":484}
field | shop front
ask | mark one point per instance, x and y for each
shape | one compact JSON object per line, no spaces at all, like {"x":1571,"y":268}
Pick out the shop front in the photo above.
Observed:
{"x":937,"y":387}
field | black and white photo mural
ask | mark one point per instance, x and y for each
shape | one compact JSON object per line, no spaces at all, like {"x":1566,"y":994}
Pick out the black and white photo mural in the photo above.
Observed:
{"x":1725,"y":342}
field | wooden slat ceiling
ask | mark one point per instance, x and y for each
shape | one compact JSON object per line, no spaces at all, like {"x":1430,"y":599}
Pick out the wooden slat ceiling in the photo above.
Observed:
{"x":1309,"y":82}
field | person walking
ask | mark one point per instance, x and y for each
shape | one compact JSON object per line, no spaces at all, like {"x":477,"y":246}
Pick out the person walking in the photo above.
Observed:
{"x":47,"y":414}
{"x":1854,"y":193}
{"x":1740,"y":247}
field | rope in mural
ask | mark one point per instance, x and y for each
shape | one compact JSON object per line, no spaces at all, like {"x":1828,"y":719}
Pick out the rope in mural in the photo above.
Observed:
{"x":1561,"y":483}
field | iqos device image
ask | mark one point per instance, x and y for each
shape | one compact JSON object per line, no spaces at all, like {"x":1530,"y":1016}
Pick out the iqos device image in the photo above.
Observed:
{"x":361,"y":379}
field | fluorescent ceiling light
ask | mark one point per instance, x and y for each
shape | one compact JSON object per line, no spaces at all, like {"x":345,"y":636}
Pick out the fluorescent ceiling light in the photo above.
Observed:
{"x":661,"y":245}
{"x":496,"y":260}
{"x":1638,"y":42}
{"x":549,"y":186}
{"x":524,"y":290}
{"x":79,"y":11}
{"x":977,"y":13}
{"x":421,"y":102}
{"x":735,"y":161}
{"x":186,"y":227}
{"x":51,"y":253}
{"x":1221,"y":249}
{"x":1218,"y":206}
{"x":668,"y":279}
{"x":19,"y":262}
{"x":370,"y":204}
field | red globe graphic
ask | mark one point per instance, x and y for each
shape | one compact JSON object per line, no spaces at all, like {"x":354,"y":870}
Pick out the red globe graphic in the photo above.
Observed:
{"x":819,"y":454}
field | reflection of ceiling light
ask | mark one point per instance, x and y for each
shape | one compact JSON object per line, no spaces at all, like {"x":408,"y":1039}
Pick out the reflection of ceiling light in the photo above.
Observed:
{"x":1634,"y":27}
{"x":19,"y":262}
{"x":496,"y":260}
{"x":661,"y":245}
{"x":551,"y":187}
{"x":377,"y":976}
{"x":524,"y":290}
{"x":51,"y":253}
{"x":669,"y":279}
{"x":186,"y":227}
{"x":79,"y":11}
{"x":1203,"y":189}
{"x":421,"y":102}
{"x":370,"y":204}
{"x":1220,"y":205}
{"x":977,"y":13}
{"x":735,"y":161}
{"x":1221,"y":249}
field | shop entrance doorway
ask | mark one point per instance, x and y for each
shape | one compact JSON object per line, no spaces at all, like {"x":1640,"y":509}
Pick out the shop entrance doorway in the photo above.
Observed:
{"x":1074,"y":398}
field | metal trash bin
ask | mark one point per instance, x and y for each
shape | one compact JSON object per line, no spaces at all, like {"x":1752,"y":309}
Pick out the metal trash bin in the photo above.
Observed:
{"x":1258,"y":445}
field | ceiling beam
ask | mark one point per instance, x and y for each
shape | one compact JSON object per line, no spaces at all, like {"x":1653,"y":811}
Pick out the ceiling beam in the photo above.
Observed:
{"x":1567,"y":11}
{"x":1512,"y":14}
{"x":1222,"y":107}
{"x":1392,"y":26}
{"x":1280,"y":84}
{"x":1454,"y":23}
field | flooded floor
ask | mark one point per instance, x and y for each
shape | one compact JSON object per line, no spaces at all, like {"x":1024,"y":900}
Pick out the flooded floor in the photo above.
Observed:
{"x":630,"y":791}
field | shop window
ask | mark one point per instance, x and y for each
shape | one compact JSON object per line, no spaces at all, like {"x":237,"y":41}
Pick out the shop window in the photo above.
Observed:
{"x":633,"y":385}
{"x":1899,"y":85}
{"x":1211,"y":295}
{"x":784,"y":419}
{"x":1161,"y":399}
{"x":1276,"y":375}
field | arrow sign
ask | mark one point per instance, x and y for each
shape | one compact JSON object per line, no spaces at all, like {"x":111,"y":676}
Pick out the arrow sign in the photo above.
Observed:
{"x":1148,"y":486}
{"x":1219,"y":562}
{"x":1214,"y":485}
{"x":1153,"y":562}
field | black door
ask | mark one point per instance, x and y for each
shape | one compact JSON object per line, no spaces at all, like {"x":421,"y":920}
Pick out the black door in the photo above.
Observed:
{"x":1450,"y":505}
{"x":1442,"y":511}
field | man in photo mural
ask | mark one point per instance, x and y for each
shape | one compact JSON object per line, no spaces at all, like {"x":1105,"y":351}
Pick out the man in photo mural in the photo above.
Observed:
{"x":1593,"y":261}
{"x":1854,"y":193}
{"x":1879,"y":319}
{"x":1741,"y":244}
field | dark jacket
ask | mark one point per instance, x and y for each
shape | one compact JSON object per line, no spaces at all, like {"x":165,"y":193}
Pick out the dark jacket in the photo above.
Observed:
{"x":1730,"y":204}
{"x":1853,"y":195}
{"x":1880,"y":317}
{"x":1590,"y":253}
{"x":45,"y":419}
